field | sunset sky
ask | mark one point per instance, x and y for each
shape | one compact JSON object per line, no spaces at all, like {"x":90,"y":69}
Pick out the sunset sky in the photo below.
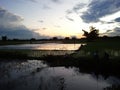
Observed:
{"x":48,"y":18}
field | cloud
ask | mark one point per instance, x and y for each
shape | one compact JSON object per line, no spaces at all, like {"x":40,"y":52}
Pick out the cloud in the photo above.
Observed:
{"x":115,"y":32}
{"x":69,"y":11}
{"x":108,"y":31}
{"x":11,"y":26}
{"x":35,"y":1}
{"x":117,"y":19}
{"x":100,"y":8}
{"x":55,"y":1}
{"x":5,"y":15}
{"x":69,"y":15}
{"x":78,"y":6}
{"x":74,"y":10}
{"x":8,"y":19}
{"x":41,"y":21}
{"x":70,"y":19}
{"x":104,"y":22}
{"x":23,"y":33}
{"x":46,"y":6}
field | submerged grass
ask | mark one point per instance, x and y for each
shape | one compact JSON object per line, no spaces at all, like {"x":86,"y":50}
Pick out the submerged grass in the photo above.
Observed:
{"x":32,"y":54}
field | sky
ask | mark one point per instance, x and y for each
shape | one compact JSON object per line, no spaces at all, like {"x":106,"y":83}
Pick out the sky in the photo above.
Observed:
{"x":58,"y":18}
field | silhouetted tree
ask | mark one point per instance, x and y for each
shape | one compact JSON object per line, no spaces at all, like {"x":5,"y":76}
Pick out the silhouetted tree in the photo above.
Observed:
{"x":32,"y":39}
{"x":55,"y":38}
{"x":67,"y":38}
{"x":93,"y":34}
{"x":4,"y":38}
{"x":15,"y":39}
{"x":73,"y":37}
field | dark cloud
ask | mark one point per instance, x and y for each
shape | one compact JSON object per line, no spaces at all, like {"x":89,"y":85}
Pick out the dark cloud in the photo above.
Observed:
{"x":70,"y":19}
{"x":23,"y":33}
{"x":41,"y":21}
{"x":117,"y":19}
{"x":35,"y":1}
{"x":110,"y":22}
{"x":56,"y":1}
{"x":10,"y":25}
{"x":8,"y":17}
{"x":115,"y":32}
{"x":79,"y":6}
{"x":100,"y":8}
{"x":46,"y":7}
{"x":69,"y":11}
{"x":104,"y":22}
{"x":76,"y":8}
{"x":108,"y":31}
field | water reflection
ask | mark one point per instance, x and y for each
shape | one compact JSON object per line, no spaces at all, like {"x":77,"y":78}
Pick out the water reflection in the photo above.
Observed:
{"x":44,"y":46}
{"x":35,"y":75}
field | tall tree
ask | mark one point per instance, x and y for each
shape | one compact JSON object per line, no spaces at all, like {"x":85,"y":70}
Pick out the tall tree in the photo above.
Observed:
{"x":93,"y":34}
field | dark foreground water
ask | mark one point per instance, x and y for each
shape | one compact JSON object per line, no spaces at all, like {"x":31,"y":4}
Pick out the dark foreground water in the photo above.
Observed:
{"x":36,"y":75}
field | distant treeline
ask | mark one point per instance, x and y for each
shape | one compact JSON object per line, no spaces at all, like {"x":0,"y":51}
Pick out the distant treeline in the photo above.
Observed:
{"x":5,"y":38}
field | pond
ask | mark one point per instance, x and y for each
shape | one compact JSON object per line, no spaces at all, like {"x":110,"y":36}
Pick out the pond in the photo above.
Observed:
{"x":36,"y":75}
{"x":44,"y":46}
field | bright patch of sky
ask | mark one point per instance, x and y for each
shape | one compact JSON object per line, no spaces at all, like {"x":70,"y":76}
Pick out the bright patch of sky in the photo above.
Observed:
{"x":63,"y":17}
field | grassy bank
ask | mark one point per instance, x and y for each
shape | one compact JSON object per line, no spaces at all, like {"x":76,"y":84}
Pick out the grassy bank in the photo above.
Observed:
{"x":111,"y":47}
{"x":31,"y":54}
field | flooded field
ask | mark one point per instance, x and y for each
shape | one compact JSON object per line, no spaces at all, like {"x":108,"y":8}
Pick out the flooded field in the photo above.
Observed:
{"x":37,"y":50}
{"x":37,"y":75}
{"x":44,"y":46}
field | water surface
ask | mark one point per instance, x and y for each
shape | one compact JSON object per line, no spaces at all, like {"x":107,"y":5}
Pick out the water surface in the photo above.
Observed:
{"x":36,"y":75}
{"x":44,"y":46}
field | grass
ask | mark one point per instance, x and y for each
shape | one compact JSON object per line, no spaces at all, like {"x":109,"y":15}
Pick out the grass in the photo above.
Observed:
{"x":102,"y":45}
{"x":112,"y":47}
{"x":31,"y":54}
{"x":10,"y":54}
